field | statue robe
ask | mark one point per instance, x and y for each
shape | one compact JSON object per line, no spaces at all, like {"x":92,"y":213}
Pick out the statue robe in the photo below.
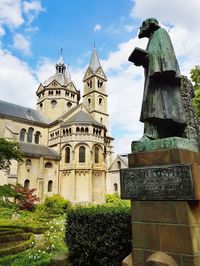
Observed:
{"x":162,"y":98}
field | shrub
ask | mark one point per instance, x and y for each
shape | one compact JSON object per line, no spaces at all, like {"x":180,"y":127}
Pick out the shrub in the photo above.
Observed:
{"x":98,"y":235}
{"x":54,"y":205}
{"x":114,"y":199}
{"x":25,"y":198}
{"x":22,"y":198}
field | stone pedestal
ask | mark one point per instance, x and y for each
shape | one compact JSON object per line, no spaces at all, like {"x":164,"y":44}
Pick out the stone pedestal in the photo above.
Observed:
{"x":165,"y":215}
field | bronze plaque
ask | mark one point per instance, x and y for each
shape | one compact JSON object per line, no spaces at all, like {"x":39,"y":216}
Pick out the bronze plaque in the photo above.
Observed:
{"x":171,"y":182}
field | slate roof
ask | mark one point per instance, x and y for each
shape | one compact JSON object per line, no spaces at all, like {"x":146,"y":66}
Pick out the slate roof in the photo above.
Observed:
{"x":82,"y":118}
{"x":36,"y":150}
{"x":22,"y":112}
{"x":62,"y":79}
{"x":94,"y":61}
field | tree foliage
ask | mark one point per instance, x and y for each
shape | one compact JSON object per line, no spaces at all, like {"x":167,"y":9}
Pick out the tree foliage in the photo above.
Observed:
{"x":195,"y":76}
{"x":9,"y":151}
{"x":22,"y":198}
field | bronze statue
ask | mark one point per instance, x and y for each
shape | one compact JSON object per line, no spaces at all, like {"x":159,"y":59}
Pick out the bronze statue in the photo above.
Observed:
{"x":162,"y":107}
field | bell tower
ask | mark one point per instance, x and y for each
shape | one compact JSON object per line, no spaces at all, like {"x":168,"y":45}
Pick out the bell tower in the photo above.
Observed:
{"x":58,"y":93}
{"x":94,"y":96}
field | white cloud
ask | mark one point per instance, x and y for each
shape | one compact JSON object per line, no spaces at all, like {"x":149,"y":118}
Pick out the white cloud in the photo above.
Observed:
{"x":45,"y":69}
{"x":10,"y":13}
{"x":97,"y":27}
{"x":21,"y":43}
{"x":116,"y":59}
{"x":16,"y":80}
{"x":179,"y":12}
{"x":32,"y":9}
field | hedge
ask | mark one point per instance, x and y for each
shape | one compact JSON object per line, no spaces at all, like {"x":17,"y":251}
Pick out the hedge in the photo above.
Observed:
{"x":15,"y":247}
{"x":13,"y":238}
{"x":98,"y":235}
{"x":27,"y":228}
{"x":10,"y":231}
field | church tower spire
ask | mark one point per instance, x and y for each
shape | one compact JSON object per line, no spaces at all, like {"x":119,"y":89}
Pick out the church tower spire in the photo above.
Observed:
{"x":95,"y":97}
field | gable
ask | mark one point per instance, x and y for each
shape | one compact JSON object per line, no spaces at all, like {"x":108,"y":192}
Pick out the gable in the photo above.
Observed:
{"x":71,"y":86}
{"x":54,"y":84}
{"x":98,"y":72}
{"x":40,"y":88}
{"x":123,"y":159}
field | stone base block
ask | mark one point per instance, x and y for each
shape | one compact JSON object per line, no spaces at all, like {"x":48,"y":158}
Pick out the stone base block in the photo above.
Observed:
{"x":171,"y":227}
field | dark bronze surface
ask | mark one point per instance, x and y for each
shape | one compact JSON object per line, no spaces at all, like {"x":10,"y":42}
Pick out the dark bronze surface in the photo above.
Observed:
{"x":169,"y":182}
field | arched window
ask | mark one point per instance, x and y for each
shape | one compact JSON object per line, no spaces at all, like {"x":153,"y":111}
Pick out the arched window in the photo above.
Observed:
{"x":30,"y":135}
{"x":96,"y":155}
{"x":37,"y":137}
{"x":86,"y":130}
{"x":101,"y":120}
{"x":50,"y":186}
{"x":89,"y":102}
{"x":115,"y":187}
{"x":48,"y":165}
{"x":77,"y":129}
{"x":53,"y":103}
{"x":100,"y":83}
{"x":89,"y":83}
{"x":26,"y":183}
{"x":82,"y":130}
{"x":119,"y":164}
{"x":67,"y":154}
{"x":41,"y":104}
{"x":100,"y":101}
{"x":22,"y":134}
{"x":28,"y":162}
{"x":69,"y":104}
{"x":70,"y":130}
{"x":82,"y":154}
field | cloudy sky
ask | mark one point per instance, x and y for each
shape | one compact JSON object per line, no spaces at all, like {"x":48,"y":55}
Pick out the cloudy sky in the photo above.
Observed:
{"x":33,"y":32}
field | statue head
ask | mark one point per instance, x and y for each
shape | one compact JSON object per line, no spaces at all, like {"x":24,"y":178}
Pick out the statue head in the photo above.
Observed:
{"x":148,"y":26}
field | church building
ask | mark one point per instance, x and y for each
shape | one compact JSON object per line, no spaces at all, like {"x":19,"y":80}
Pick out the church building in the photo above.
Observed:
{"x":66,"y":144}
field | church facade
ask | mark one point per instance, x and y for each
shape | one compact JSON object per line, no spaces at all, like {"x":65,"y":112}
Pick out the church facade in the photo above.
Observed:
{"x":66,"y":144}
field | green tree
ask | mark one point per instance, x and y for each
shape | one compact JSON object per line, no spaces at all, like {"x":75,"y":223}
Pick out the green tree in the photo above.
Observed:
{"x":195,"y":76}
{"x":9,"y":151}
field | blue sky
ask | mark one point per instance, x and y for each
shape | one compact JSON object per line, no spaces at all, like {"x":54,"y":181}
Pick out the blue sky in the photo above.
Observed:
{"x":33,"y":31}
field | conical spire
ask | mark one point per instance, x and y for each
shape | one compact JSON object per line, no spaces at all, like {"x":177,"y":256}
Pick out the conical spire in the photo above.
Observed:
{"x":60,"y":66}
{"x":94,"y":61}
